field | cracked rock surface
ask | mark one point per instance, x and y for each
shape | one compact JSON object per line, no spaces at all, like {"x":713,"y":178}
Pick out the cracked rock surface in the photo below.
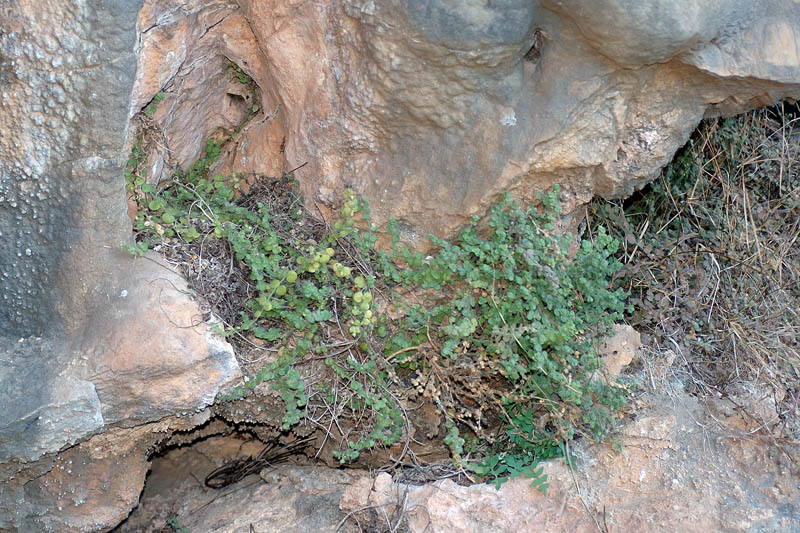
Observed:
{"x":102,"y":355}
{"x":431,"y":110}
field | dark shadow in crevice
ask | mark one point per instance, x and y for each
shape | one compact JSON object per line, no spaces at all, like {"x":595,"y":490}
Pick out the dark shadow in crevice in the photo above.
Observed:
{"x":181,"y":465}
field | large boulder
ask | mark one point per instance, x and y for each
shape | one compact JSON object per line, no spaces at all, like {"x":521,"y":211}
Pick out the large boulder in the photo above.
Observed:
{"x":432,"y":110}
{"x":674,"y":469}
{"x":92,"y":341}
{"x":144,"y":366}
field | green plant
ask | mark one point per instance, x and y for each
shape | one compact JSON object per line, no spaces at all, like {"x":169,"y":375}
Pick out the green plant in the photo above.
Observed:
{"x":152,"y":107}
{"x":298,"y":285}
{"x":371,"y":393}
{"x":240,"y":74}
{"x":138,"y":249}
{"x":502,"y":466}
{"x":514,"y":310}
{"x":517,"y":299}
{"x":174,"y":523}
{"x":454,"y":441}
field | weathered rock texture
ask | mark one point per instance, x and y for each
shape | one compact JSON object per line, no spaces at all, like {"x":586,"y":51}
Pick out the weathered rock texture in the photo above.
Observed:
{"x":306,"y":498}
{"x":432,"y":110}
{"x":95,"y":347}
{"x":66,"y":70}
{"x":115,"y":391}
{"x":669,"y":476}
{"x":676,"y":470}
{"x":89,"y":487}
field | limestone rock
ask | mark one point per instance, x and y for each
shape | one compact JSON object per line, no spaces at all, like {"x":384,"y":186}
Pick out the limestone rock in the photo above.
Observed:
{"x":433,"y":110}
{"x":618,"y":350}
{"x":430,"y":110}
{"x":92,"y":342}
{"x":154,"y":354}
{"x":47,"y":407}
{"x":150,"y":355}
{"x":89,"y":487}
{"x":287,"y":498}
{"x":750,"y":406}
{"x":671,"y":475}
{"x":66,"y":72}
{"x":675,"y":470}
{"x":186,"y":57}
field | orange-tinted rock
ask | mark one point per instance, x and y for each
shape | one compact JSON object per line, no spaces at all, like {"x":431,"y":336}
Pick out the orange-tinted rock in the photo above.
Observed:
{"x":673,"y":473}
{"x":89,"y":487}
{"x":619,"y":349}
{"x":154,"y":353}
{"x":149,"y":355}
{"x":432,"y":112}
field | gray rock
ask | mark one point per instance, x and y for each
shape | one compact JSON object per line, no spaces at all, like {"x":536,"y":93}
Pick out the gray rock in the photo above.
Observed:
{"x":67,"y":74}
{"x":96,"y":348}
{"x":46,"y":410}
{"x":432,"y":110}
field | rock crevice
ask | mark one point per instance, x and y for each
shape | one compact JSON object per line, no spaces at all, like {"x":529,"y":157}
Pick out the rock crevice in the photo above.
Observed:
{"x":430,"y":111}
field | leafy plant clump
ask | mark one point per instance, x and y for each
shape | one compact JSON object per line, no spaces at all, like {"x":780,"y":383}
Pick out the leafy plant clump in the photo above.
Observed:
{"x":302,"y":296}
{"x":152,"y":107}
{"x":503,"y":348}
{"x":518,"y":304}
{"x":240,"y":74}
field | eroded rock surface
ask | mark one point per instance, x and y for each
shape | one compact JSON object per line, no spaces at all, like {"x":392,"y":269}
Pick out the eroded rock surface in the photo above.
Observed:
{"x":676,"y":469}
{"x":102,"y":354}
{"x":433,"y":110}
{"x":146,"y":367}
{"x":619,"y":349}
{"x":430,"y":110}
{"x":66,"y":72}
{"x":286,"y":498}
{"x":675,"y":472}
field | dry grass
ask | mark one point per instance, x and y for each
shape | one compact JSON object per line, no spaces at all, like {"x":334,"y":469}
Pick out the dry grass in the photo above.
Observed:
{"x":712,"y":255}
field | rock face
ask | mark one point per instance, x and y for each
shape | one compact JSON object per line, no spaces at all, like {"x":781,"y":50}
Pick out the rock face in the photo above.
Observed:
{"x":115,"y":391}
{"x":88,"y":487}
{"x":99,"y":352}
{"x":429,"y":109}
{"x":618,"y":350}
{"x":66,"y":71}
{"x":306,"y":498}
{"x":674,"y":470}
{"x":433,"y":110}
